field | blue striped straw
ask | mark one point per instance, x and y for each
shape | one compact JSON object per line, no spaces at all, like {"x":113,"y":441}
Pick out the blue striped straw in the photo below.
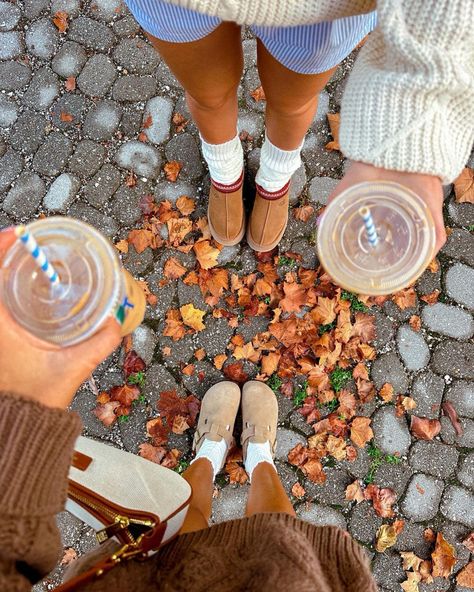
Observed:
{"x":38,"y":254}
{"x":372,"y":235}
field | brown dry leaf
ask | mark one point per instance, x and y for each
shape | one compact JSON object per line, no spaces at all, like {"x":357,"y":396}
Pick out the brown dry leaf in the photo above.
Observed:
{"x":172,"y":169}
{"x":140,"y":239}
{"x":70,"y":555}
{"x":192,"y":317}
{"x":334,"y":120}
{"x":131,"y":179}
{"x":303,"y":213}
{"x":236,"y":472}
{"x":336,"y":447}
{"x":153,"y":453}
{"x":171,"y":458}
{"x":173,"y":269}
{"x":431,"y":298}
{"x":180,"y":425}
{"x":142,"y":137}
{"x":386,"y":392}
{"x":407,"y":403}
{"x":450,"y":411}
{"x":219,"y":361}
{"x":443,"y":557}
{"x":424,"y":428}
{"x":66,"y":117}
{"x":148,"y":122}
{"x":405,"y":298}
{"x":415,"y":323}
{"x":433,"y":265}
{"x":186,"y":205}
{"x":410,"y":560}
{"x":70,"y":83}
{"x":411,"y":583}
{"x":466,"y":576}
{"x":429,"y":535}
{"x":354,"y":492}
{"x":386,"y":537}
{"x":324,"y":312}
{"x":295,"y":297}
{"x":125,"y":394}
{"x":188,"y":370}
{"x":206,"y":254}
{"x":106,"y":413}
{"x":178,"y":228}
{"x":360,"y":371}
{"x":200,"y":354}
{"x":464,"y":186}
{"x":174,"y":325}
{"x":170,"y":405}
{"x":469,"y":542}
{"x":425,"y":571}
{"x":364,"y":326}
{"x":122,"y":246}
{"x":347,"y":404}
{"x":382,"y":499}
{"x":298,"y":490}
{"x":258,"y":94}
{"x":236,"y":372}
{"x":270,"y":363}
{"x":158,"y":431}
{"x":361,"y":432}
{"x":180,"y":122}
{"x":60,"y":20}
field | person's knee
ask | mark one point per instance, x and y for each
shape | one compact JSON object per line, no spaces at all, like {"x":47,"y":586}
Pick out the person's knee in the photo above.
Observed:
{"x":212,"y":101}
{"x":291,"y":107}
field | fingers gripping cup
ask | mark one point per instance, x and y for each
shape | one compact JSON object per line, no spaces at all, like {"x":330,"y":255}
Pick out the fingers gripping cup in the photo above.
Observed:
{"x":91,"y":284}
{"x":376,"y":238}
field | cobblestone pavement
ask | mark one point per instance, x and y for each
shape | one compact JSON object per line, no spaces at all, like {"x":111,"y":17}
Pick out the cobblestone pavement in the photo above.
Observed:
{"x":70,"y":152}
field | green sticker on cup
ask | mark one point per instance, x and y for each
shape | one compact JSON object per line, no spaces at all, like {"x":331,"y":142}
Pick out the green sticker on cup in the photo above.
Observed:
{"x":122,"y":310}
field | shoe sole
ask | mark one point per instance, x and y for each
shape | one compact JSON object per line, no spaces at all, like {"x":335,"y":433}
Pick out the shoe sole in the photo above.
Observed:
{"x":225,"y":242}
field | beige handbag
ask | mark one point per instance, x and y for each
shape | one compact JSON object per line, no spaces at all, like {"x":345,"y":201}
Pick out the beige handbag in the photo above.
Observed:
{"x":139,"y":503}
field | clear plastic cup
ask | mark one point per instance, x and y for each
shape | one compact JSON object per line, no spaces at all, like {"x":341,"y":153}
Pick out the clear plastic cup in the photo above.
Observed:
{"x":406,"y":238}
{"x":93,"y":285}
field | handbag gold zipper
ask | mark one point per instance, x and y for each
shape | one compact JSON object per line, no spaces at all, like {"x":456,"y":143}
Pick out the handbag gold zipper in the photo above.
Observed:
{"x":120,"y":524}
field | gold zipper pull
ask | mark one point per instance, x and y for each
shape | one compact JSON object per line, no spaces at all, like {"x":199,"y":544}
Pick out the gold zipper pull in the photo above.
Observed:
{"x":121,"y":523}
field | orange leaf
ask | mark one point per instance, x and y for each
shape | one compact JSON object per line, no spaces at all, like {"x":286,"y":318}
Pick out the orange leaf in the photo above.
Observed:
{"x":122,"y":246}
{"x":142,"y":137}
{"x":172,"y":169}
{"x":106,"y":413}
{"x":186,"y":205}
{"x":347,"y":404}
{"x":125,"y":394}
{"x":386,"y":392}
{"x":192,"y":317}
{"x":354,"y":492}
{"x":188,"y":370}
{"x":466,"y":576}
{"x":236,"y":472}
{"x":67,"y":117}
{"x":235,"y":372}
{"x":325,"y":311}
{"x":178,"y":228}
{"x":173,"y":269}
{"x":295,"y":297}
{"x":158,"y":431}
{"x":360,"y":371}
{"x":70,"y":555}
{"x":206,"y":254}
{"x":153,"y":453}
{"x":361,"y":432}
{"x":270,"y":363}
{"x":219,"y":360}
{"x":468,"y":542}
{"x":174,"y":325}
{"x":415,"y":323}
{"x":258,"y":94}
{"x":200,"y":354}
{"x":433,"y":265}
{"x":464,"y":186}
{"x":140,"y":239}
{"x":431,"y":298}
{"x":180,"y":425}
{"x":179,"y":122}
{"x":364,"y":326}
{"x":60,"y":20}
{"x":70,"y":84}
{"x":214,"y":281}
{"x":297,"y":490}
{"x":405,"y":298}
{"x":382,"y":500}
{"x":303,"y":213}
{"x":334,"y":120}
{"x":424,"y":428}
{"x":443,"y":557}
{"x":131,"y":179}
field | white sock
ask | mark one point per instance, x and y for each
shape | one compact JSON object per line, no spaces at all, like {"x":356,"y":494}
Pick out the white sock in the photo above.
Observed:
{"x":276,"y":166}
{"x":215,"y":452}
{"x":256,"y":454}
{"x":225,"y":161}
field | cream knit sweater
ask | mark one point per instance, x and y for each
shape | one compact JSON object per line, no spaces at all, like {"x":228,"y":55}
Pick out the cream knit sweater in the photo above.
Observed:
{"x":409,"y":101}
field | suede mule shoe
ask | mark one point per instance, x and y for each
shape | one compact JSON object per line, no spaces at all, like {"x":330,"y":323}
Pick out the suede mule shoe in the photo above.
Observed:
{"x":226,"y":213}
{"x":268,"y":219}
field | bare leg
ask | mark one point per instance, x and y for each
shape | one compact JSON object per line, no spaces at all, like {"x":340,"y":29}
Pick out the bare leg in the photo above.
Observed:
{"x":292,"y":99}
{"x":209,"y":71}
{"x":267,"y":493}
{"x":199,"y":475}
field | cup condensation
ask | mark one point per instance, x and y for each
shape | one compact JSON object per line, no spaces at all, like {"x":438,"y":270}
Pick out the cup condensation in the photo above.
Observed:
{"x":405,"y":231}
{"x":93,"y":285}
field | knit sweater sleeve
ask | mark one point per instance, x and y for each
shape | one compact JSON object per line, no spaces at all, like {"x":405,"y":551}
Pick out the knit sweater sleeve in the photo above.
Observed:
{"x":409,"y":101}
{"x":36,"y":444}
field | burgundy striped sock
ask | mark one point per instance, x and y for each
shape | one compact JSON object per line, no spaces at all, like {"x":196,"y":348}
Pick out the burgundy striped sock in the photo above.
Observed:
{"x":272,"y":195}
{"x":232,"y":187}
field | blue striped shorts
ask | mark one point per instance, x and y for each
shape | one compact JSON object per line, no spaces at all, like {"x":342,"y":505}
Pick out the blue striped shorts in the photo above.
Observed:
{"x":305,"y":49}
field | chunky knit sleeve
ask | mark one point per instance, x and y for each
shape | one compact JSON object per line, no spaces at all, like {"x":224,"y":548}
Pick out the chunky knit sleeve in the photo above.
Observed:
{"x":409,"y":101}
{"x":36,"y":444}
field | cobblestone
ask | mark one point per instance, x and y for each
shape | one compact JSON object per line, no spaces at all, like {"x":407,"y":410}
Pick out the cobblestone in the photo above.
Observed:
{"x":41,"y":39}
{"x":388,"y":368}
{"x":8,"y":111}
{"x":460,"y":246}
{"x":252,"y":123}
{"x":427,"y":390}
{"x":387,"y":569}
{"x":137,"y":263}
{"x":104,"y":223}
{"x":454,"y":358}
{"x":159,"y":110}
{"x":413,"y":348}
{"x":140,"y":158}
{"x":66,"y":107}
{"x":428,"y":282}
{"x":102,"y":121}
{"x":392,"y":311}
{"x":449,"y":436}
{"x":126,"y":27}
{"x":134,"y":88}
{"x":391,"y":432}
{"x":61,"y":193}
{"x":215,"y":336}
{"x":11,"y":45}
{"x":394,"y":476}
{"x":298,"y":182}
{"x":87,"y":158}
{"x":14,"y":75}
{"x":319,"y":161}
{"x":286,"y":440}
{"x":125,"y":205}
{"x":52,"y":155}
{"x":184,"y":149}
{"x":158,"y":380}
{"x":91,"y":33}
{"x":97,"y":76}
{"x":364,"y":522}
{"x":144,"y":342}
{"x":71,"y":7}
{"x":434,"y":458}
{"x":384,"y":330}
{"x":466,"y":471}
{"x":11,"y":164}
{"x":107,"y":10}
{"x":411,"y":538}
{"x":422,"y":498}
{"x":457,"y":505}
{"x":28,"y":133}
{"x":320,"y":515}
{"x":102,"y":185}
{"x":69,"y":60}
{"x":320,"y":189}
{"x":461,"y":395}
{"x":9,"y":16}
{"x":460,"y":284}
{"x":333,"y":490}
{"x":137,"y":56}
{"x":33,"y":8}
{"x":461,"y":213}
{"x":43,"y":90}
{"x":25,"y":196}
{"x":448,"y":320}
{"x":229,"y":504}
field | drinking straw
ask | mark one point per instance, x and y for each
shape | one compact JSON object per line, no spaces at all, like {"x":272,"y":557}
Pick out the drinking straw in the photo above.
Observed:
{"x":37,"y":253}
{"x":372,"y":235}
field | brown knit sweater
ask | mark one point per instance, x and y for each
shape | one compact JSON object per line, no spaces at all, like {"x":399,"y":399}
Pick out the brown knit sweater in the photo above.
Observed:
{"x":273,"y":552}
